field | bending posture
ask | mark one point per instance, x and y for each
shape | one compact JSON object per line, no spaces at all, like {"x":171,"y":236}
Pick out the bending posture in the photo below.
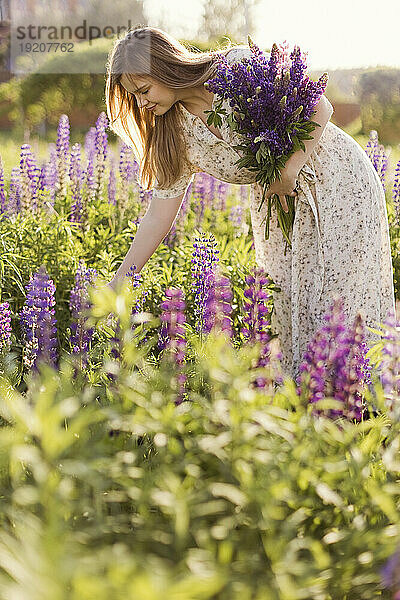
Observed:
{"x":340,"y":242}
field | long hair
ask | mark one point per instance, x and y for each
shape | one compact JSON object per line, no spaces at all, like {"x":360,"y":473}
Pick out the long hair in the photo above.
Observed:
{"x":157,"y":142}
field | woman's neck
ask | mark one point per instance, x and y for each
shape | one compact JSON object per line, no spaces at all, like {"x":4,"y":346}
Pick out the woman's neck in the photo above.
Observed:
{"x":196,"y":100}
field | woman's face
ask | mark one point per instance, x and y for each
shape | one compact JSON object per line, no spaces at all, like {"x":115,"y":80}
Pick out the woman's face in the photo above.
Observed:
{"x":149,"y":93}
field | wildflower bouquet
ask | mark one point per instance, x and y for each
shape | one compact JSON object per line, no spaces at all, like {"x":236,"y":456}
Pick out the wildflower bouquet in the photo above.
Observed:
{"x":272,"y":100}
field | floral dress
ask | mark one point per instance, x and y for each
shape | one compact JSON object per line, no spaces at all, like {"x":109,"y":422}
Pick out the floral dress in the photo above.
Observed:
{"x":340,"y":239}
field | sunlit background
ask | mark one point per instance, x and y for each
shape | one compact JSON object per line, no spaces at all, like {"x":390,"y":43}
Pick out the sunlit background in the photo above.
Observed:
{"x":336,"y":34}
{"x":355,"y":41}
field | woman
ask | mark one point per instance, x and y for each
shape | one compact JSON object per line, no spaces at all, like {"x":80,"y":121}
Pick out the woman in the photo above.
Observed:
{"x":340,"y":242}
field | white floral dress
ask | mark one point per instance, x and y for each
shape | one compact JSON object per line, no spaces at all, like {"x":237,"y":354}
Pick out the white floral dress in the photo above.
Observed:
{"x":340,"y":239}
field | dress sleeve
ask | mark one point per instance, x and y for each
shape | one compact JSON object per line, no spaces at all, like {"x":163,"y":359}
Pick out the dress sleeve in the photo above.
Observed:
{"x":179,"y":186}
{"x":237,"y":53}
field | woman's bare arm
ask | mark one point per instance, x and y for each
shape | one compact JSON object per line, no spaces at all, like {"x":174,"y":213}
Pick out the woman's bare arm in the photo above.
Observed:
{"x":324,"y":111}
{"x":152,"y":229}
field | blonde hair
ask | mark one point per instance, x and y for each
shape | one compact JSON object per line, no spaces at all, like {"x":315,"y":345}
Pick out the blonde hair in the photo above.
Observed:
{"x":157,"y":142}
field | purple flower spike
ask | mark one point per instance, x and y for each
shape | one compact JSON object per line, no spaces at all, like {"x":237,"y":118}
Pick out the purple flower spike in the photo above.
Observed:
{"x":173,"y":318}
{"x":376,"y":152}
{"x":112,"y":186}
{"x":101,"y":147}
{"x":136,"y":280}
{"x":38,"y":322}
{"x":79,"y":304}
{"x":28,"y":179}
{"x":217,"y":313}
{"x":75,"y":174}
{"x":62,"y":155}
{"x":391,"y":575}
{"x":204,"y":259}
{"x":128,"y":167}
{"x":351,"y":381}
{"x":236,"y":215}
{"x":256,"y":322}
{"x":5,"y":327}
{"x":396,"y":193}
{"x":50,"y":176}
{"x":15,"y":192}
{"x":335,"y":366}
{"x":256,"y":311}
{"x":222,"y":192}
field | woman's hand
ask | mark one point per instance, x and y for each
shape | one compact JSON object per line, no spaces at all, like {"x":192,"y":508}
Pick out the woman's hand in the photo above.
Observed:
{"x":284,"y":187}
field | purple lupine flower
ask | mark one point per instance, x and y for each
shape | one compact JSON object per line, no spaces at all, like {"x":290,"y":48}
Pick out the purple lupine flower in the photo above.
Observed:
{"x":204,"y":190}
{"x":75,"y":175}
{"x":50,"y":173}
{"x":101,"y":145}
{"x":325,"y":357}
{"x":38,"y":322}
{"x":349,"y":385}
{"x":396,"y":192}
{"x":222,"y":191}
{"x":218,"y":309}
{"x":90,"y":153}
{"x":15,"y":192}
{"x":5,"y":327}
{"x":390,"y":365}
{"x":79,"y":304}
{"x":3,"y":200}
{"x":211,"y":184}
{"x":136,"y":280}
{"x":255,"y":309}
{"x":333,"y":363}
{"x":256,"y":322}
{"x":173,"y":316}
{"x":112,"y":185}
{"x":62,"y":155}
{"x":89,"y":178}
{"x":42,"y":178}
{"x":199,"y":185}
{"x":390,"y":574}
{"x":376,"y":152}
{"x":244,"y":195}
{"x":128,"y":167}
{"x":29,"y":179}
{"x":204,"y":259}
{"x":372,"y":144}
{"x":313,"y":369}
{"x":363,"y":366}
{"x":236,"y":215}
{"x":90,"y":143}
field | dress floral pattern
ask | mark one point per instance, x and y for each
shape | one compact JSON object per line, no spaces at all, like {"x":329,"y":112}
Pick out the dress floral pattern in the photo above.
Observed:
{"x":340,"y":240}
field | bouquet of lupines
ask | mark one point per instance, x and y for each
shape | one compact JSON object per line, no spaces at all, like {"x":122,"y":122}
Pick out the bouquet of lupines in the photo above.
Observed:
{"x":272,"y":100}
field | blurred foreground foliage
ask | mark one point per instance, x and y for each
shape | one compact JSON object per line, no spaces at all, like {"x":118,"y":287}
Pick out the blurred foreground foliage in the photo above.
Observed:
{"x":112,"y":491}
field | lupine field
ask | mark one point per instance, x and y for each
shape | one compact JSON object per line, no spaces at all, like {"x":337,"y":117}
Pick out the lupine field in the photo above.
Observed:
{"x":150,"y":446}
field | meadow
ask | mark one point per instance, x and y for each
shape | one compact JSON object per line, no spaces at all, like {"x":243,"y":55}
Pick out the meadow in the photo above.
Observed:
{"x":150,"y":446}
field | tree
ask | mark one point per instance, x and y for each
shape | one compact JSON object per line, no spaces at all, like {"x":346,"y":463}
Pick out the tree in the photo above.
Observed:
{"x":235,"y":18}
{"x":379,"y":93}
